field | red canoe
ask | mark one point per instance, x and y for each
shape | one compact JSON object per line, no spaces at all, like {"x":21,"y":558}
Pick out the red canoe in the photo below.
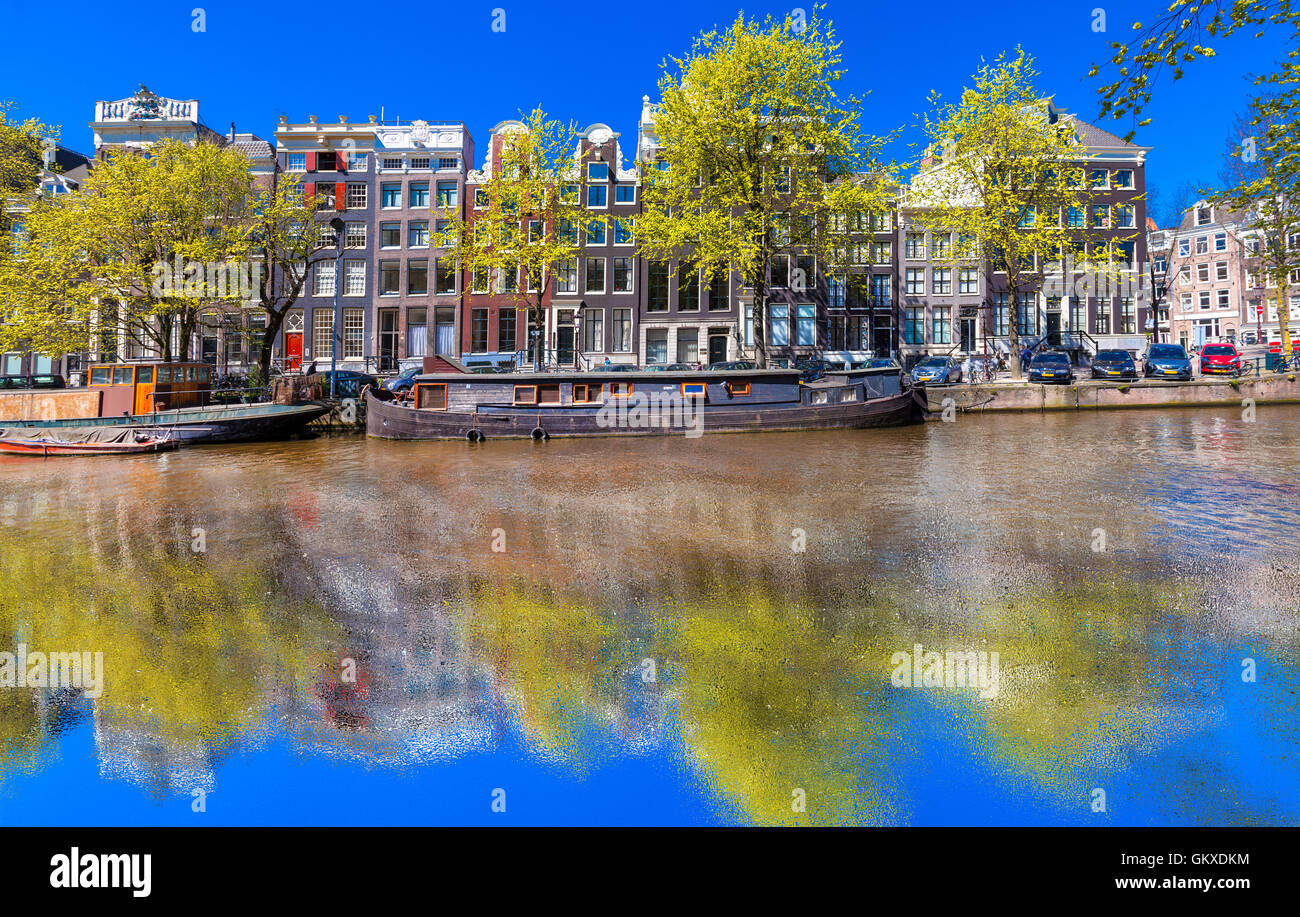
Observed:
{"x":81,"y":442}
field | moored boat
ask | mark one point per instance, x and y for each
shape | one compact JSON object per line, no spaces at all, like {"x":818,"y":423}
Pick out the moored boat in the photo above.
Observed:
{"x":81,"y":441}
{"x":690,"y":403}
{"x":153,"y":399}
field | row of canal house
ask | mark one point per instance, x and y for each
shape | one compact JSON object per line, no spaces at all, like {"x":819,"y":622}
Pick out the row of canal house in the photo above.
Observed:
{"x":394,"y":184}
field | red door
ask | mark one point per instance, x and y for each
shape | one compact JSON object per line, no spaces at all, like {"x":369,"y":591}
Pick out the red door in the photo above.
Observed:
{"x":293,"y":350}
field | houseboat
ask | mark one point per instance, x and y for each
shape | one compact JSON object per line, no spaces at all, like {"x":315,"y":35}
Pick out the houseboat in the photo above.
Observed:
{"x":690,"y":403}
{"x":153,"y":399}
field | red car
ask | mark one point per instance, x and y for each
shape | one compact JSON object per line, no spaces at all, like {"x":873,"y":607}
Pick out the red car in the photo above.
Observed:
{"x":1220,"y":358}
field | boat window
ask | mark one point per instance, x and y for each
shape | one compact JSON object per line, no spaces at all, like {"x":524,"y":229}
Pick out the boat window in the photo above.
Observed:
{"x":620,"y":389}
{"x":584,"y":393}
{"x":145,"y":375}
{"x":525,"y":394}
{"x":818,"y":397}
{"x":99,"y":375}
{"x":122,"y":375}
{"x":203,"y":373}
{"x":737,"y":388}
{"x":164,"y":374}
{"x":548,"y":394}
{"x":693,"y":389}
{"x":431,"y":396}
{"x":849,"y":394}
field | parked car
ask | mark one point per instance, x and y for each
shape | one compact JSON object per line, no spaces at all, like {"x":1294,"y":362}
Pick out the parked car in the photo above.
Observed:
{"x":1114,"y":364}
{"x":668,"y":367}
{"x":403,"y":381}
{"x":1051,"y":366}
{"x":1168,"y":361}
{"x":812,"y":368}
{"x":617,"y":368}
{"x":730,"y":366}
{"x":347,"y":384}
{"x":1220,"y":358}
{"x":40,"y":380}
{"x":938,"y":370}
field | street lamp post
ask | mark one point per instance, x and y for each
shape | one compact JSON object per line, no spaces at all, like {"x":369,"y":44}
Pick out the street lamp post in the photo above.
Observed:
{"x":337,"y":225}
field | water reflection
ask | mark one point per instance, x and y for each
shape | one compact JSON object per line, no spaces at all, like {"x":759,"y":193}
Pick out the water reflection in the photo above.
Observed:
{"x":647,"y":604}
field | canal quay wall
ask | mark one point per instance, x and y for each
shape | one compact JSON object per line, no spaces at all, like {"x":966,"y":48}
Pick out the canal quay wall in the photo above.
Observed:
{"x":1023,"y":397}
{"x":49,"y":404}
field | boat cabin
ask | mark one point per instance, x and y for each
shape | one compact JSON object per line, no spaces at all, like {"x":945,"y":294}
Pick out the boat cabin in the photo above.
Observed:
{"x":143,"y":388}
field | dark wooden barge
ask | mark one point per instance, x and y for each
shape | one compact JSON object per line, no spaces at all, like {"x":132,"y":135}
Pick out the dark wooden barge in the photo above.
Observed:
{"x":542,"y":405}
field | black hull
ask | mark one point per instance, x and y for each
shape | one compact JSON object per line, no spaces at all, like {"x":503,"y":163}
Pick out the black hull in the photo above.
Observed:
{"x":237,"y":424}
{"x":388,"y":420}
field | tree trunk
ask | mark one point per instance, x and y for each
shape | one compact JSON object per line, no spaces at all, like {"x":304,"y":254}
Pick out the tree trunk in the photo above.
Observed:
{"x":760,"y":316}
{"x":1013,"y":326}
{"x":1284,"y":316}
{"x":274,"y":322}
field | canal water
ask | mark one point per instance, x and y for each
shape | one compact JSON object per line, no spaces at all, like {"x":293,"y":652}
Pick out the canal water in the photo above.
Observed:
{"x":725,"y":630}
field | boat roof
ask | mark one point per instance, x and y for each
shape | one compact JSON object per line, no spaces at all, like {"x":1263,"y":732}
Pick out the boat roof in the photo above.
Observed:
{"x":695,"y":375}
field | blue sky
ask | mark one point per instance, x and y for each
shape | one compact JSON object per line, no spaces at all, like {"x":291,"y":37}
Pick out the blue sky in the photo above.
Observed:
{"x":257,"y":60}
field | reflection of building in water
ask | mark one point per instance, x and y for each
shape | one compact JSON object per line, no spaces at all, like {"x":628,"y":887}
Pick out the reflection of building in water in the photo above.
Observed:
{"x":138,"y":755}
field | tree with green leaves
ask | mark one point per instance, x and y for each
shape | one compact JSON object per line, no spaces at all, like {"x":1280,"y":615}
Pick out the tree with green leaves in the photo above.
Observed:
{"x":1181,"y":35}
{"x":285,"y":240}
{"x":524,"y":221}
{"x":22,"y":147}
{"x":135,"y":256}
{"x":1262,"y":178}
{"x":1003,"y":177}
{"x":759,"y":156}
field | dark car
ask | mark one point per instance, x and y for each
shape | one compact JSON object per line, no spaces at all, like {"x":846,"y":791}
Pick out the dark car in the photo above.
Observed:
{"x":617,"y":368}
{"x":730,"y":365}
{"x":1168,"y":361}
{"x":38,"y":380}
{"x":347,"y":383}
{"x":669,"y":367}
{"x":1114,"y":364}
{"x":1220,"y":358}
{"x":811,"y":368}
{"x":1052,"y":366}
{"x":403,"y":381}
{"x":937,"y":370}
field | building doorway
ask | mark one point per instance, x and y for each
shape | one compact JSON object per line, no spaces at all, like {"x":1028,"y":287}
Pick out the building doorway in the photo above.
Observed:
{"x":1054,"y":328}
{"x":717,"y":346}
{"x":564,"y":337}
{"x":293,"y":341}
{"x":387,"y":340}
{"x":968,"y":335}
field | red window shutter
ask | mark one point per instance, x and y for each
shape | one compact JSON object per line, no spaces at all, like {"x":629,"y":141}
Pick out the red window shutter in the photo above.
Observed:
{"x":311,"y":162}
{"x":340,"y":196}
{"x":343,"y":162}
{"x":309,"y":192}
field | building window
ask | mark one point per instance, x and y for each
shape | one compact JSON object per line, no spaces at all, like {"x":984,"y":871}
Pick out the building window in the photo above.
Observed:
{"x":445,"y":275}
{"x":621,"y":331}
{"x":354,"y":333}
{"x":1124,"y":216}
{"x":779,"y":272}
{"x":357,"y":197}
{"x":942,"y":326}
{"x":913,"y":326}
{"x":914,"y":246}
{"x":417,"y":277}
{"x":688,"y":287}
{"x":419,"y":194}
{"x":419,"y":162}
{"x":418,"y":234}
{"x":507,"y":322}
{"x":566,"y":276}
{"x":390,"y":235}
{"x":1202,"y":244}
{"x":323,"y":285}
{"x":778,"y":331}
{"x":1127,"y":316}
{"x":389,"y":272}
{"x":942,"y":281}
{"x":593,"y":331}
{"x":447,"y":194}
{"x":1223,"y":299}
{"x":478,"y":331}
{"x":322,"y":333}
{"x":1220,"y":241}
{"x":594,"y":232}
{"x":914,"y":284}
{"x":623,"y":231}
{"x":880,"y":290}
{"x":595,"y":275}
{"x":719,"y":295}
{"x":354,"y":278}
{"x":354,"y":235}
{"x":625,"y":194}
{"x":806,"y":325}
{"x":1027,"y":319}
{"x":688,"y":345}
{"x":1123,"y":179}
{"x":657,"y":287}
{"x":940,"y":245}
{"x":1102,"y":325}
{"x":622,"y":275}
{"x":1078,"y":314}
{"x":882,"y":252}
{"x":968,"y":281}
{"x":390,"y":196}
{"x":1001,"y":321}
{"x":656,"y":345}
{"x":296,"y":162}
{"x":597,"y":195}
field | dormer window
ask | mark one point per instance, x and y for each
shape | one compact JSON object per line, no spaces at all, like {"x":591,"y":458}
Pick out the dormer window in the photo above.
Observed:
{"x":1204,"y":216}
